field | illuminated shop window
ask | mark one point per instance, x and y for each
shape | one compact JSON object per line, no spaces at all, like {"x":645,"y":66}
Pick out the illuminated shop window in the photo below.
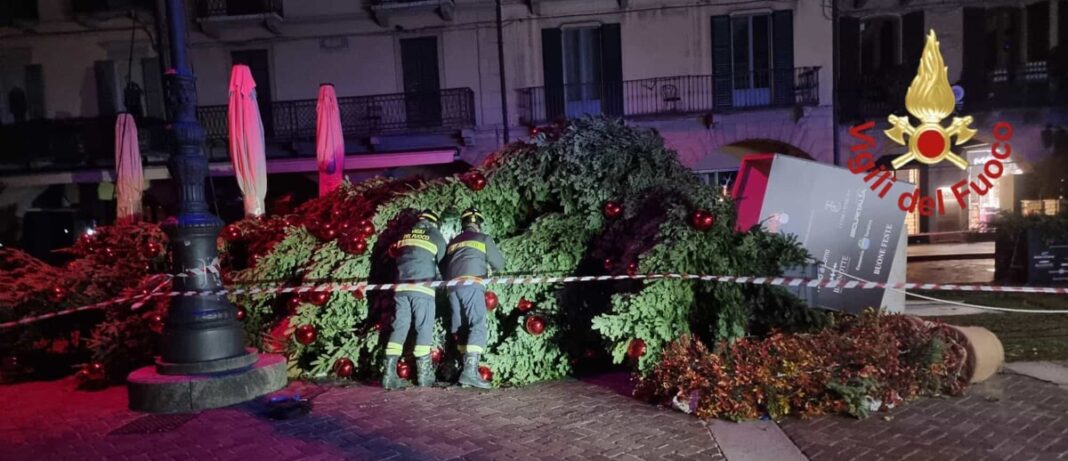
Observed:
{"x":912,"y":219}
{"x":1002,"y":195}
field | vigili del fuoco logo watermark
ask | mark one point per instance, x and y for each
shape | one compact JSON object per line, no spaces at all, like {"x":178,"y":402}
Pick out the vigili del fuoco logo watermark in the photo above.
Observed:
{"x":930,"y":100}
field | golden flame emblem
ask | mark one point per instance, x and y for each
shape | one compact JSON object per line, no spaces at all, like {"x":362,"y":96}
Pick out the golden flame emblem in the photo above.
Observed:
{"x":930,"y":100}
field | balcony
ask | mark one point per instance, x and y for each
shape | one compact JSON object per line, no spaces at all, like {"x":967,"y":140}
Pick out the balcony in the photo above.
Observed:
{"x":361,"y":116}
{"x":1031,"y":86}
{"x":215,"y":15}
{"x":672,"y":96}
{"x":70,"y":144}
{"x":383,"y":10}
{"x":18,"y":13}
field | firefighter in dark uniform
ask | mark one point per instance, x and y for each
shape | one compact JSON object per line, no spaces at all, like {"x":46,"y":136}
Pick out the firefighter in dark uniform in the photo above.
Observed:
{"x":418,"y":253}
{"x":469,"y":257}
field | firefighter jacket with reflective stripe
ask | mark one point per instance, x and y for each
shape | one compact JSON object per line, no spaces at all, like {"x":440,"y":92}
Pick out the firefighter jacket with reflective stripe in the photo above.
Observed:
{"x":419,"y":253}
{"x":470,"y":253}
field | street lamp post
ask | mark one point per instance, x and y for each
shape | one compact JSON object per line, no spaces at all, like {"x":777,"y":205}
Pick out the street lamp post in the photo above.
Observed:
{"x":201,"y":333}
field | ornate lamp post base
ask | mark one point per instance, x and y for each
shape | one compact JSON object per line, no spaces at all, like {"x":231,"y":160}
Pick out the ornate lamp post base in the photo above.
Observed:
{"x":153,"y":392}
{"x":203,"y":361}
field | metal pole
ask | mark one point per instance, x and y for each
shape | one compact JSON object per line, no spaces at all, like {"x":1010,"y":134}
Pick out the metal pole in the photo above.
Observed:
{"x":834,"y":81}
{"x":201,"y":333}
{"x":500,"y":62}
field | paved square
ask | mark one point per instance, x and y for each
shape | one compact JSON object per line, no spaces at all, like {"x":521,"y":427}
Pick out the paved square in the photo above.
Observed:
{"x":557,"y":420}
{"x":1009,"y":417}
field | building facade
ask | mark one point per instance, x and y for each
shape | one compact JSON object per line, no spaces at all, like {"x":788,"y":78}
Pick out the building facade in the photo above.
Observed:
{"x":415,"y":79}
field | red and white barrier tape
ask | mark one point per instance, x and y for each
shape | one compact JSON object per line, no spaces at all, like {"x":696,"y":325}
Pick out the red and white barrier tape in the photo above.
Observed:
{"x":531,"y":280}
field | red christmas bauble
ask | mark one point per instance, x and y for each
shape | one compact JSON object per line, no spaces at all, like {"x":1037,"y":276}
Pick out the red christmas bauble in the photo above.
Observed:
{"x":293,"y":304}
{"x":475,"y":181}
{"x":155,"y":323}
{"x":241,"y":314}
{"x":57,"y":294}
{"x":612,"y":209}
{"x":358,"y":294}
{"x":343,"y":367}
{"x":636,"y":349}
{"x":702,"y":220}
{"x":609,"y":264}
{"x":96,"y":371}
{"x":404,"y":370}
{"x":486,"y":373}
{"x":535,"y":325}
{"x":365,"y":228}
{"x":10,"y":362}
{"x":152,"y":249}
{"x":355,"y":244}
{"x":318,"y":298}
{"x":231,"y":232}
{"x":327,"y":232}
{"x":305,"y":334}
{"x":632,"y":269}
{"x":525,"y":305}
{"x":491,"y":300}
{"x":436,"y":355}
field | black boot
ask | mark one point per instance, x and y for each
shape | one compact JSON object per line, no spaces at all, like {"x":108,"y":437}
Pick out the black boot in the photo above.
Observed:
{"x":470,"y":376}
{"x":424,"y":369}
{"x":390,"y":380}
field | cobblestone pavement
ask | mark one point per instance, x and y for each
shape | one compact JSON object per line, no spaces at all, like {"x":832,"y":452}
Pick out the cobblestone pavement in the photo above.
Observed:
{"x":1009,"y":417}
{"x":557,"y":420}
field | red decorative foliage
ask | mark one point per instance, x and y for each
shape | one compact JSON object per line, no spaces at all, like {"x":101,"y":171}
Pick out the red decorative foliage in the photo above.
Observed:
{"x":865,"y":363}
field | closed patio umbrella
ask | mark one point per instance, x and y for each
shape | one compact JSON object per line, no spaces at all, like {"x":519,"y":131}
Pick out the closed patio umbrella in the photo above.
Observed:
{"x":329,"y":140}
{"x":247,"y":146}
{"x":129,"y":176}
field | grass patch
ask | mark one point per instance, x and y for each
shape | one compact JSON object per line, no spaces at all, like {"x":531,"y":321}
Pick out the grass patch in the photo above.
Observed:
{"x":1025,"y":336}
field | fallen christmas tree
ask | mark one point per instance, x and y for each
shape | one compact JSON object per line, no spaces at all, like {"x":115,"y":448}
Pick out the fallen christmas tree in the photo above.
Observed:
{"x":595,"y":197}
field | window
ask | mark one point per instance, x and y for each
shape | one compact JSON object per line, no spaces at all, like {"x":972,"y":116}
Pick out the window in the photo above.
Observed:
{"x":751,"y":59}
{"x":582,"y":70}
{"x":723,"y":180}
{"x":879,"y":43}
{"x":1002,"y":38}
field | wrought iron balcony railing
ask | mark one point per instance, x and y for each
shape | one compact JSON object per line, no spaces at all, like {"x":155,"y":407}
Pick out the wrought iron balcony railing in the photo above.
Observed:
{"x":678,"y":95}
{"x":90,"y":7}
{"x":70,"y":144}
{"x":1032,"y":85}
{"x":217,"y":8}
{"x":360,"y":115}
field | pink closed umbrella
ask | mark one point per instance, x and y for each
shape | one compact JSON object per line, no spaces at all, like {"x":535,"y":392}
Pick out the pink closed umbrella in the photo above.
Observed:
{"x":247,"y":147}
{"x":129,"y":176}
{"x":329,"y":140}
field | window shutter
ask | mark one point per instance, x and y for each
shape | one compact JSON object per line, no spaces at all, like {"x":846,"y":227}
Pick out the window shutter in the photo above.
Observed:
{"x":848,"y":68}
{"x":973,"y":65}
{"x":913,"y":37}
{"x":150,"y":74}
{"x":35,"y":93}
{"x":106,"y":94}
{"x":782,"y":36}
{"x":1038,"y":31}
{"x":612,"y":69}
{"x":553,"y":67}
{"x":722,"y":88}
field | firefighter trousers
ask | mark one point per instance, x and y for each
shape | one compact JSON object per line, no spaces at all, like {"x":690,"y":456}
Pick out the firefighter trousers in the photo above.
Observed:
{"x":412,"y":310}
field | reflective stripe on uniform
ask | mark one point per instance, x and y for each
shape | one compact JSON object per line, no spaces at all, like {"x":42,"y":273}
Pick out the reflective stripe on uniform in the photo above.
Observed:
{"x":420,"y":351}
{"x":468,"y":244}
{"x":472,"y":349}
{"x":416,"y":288}
{"x":428,"y":246}
{"x":394,"y":349}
